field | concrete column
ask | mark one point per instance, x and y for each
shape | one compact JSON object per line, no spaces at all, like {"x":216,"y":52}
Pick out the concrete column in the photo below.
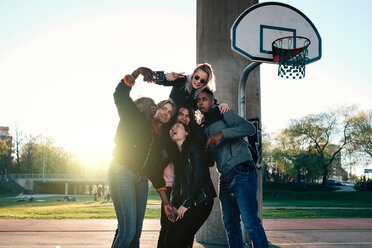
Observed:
{"x":214,"y":21}
{"x":66,"y":188}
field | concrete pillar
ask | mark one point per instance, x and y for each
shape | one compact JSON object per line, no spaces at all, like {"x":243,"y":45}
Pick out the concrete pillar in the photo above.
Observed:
{"x":66,"y":188}
{"x":75,"y":189}
{"x":214,"y":21}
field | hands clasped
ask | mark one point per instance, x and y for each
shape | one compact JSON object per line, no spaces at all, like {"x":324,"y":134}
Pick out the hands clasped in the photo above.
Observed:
{"x":147,"y":73}
{"x":173,"y":214}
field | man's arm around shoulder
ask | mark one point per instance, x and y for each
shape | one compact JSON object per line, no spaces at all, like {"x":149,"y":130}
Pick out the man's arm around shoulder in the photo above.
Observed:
{"x":237,"y":126}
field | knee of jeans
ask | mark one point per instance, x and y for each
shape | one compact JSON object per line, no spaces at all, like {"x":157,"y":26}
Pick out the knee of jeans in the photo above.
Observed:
{"x":252,"y":224}
{"x":232,"y":226}
{"x":127,"y":233}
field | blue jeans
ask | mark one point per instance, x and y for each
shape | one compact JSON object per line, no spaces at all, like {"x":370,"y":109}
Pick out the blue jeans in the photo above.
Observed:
{"x":238,"y":192}
{"x":129,"y":195}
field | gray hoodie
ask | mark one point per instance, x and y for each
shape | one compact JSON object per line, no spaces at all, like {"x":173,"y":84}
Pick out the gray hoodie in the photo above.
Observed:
{"x":232,"y":149}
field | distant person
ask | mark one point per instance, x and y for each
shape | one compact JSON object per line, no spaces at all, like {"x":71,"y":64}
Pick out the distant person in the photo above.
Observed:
{"x":107,"y":193}
{"x":238,"y":176}
{"x":99,"y":194}
{"x":95,"y":192}
{"x":193,"y":191}
{"x":137,"y":156}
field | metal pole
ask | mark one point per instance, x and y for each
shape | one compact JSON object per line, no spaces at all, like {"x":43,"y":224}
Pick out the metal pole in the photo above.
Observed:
{"x":242,"y":87}
{"x":242,"y":112}
{"x":44,"y":163}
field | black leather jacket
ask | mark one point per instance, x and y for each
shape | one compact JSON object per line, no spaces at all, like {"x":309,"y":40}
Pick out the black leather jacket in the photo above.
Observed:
{"x":192,"y":184}
{"x":179,"y":95}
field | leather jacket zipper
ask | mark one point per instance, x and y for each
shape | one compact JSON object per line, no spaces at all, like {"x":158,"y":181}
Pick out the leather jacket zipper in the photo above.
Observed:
{"x":201,"y":188}
{"x":189,"y":163}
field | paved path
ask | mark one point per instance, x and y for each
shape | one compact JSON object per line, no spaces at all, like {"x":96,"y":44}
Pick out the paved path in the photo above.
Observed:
{"x":286,"y":233}
{"x":283,"y":207}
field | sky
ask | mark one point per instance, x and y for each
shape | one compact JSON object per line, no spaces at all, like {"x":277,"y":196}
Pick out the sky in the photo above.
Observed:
{"x":60,"y":62}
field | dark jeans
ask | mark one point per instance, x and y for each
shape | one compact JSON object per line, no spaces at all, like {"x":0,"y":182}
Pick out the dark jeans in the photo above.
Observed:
{"x":129,"y":195}
{"x":238,"y":192}
{"x":181,"y":233}
{"x":164,"y":222}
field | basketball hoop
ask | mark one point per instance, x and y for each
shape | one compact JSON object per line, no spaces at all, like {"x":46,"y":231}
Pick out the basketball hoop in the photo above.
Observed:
{"x":291,"y":53}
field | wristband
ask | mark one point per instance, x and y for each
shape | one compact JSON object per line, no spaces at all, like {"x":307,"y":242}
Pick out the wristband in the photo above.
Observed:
{"x":161,"y":189}
{"x":126,"y":81}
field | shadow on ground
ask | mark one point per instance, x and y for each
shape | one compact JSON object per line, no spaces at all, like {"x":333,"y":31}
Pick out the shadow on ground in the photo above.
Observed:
{"x":225,"y":246}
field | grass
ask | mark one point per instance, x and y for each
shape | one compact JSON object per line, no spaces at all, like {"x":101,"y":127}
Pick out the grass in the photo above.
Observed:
{"x":84,"y":207}
{"x":54,"y":207}
{"x":315,"y":213}
{"x":316,"y":198}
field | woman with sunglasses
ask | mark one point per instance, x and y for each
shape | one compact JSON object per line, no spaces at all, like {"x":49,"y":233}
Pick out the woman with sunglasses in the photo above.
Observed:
{"x":187,"y":87}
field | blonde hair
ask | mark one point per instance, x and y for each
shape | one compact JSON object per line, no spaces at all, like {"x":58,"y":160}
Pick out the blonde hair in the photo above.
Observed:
{"x":211,"y":84}
{"x":162,"y":103}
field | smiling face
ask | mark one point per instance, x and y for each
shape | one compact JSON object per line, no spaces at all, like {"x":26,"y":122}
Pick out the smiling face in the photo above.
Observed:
{"x":178,"y":132}
{"x":183,"y":116}
{"x":199,"y":79}
{"x":164,"y":113}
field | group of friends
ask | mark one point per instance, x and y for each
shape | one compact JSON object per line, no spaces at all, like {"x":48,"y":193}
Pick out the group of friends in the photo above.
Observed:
{"x":163,"y":143}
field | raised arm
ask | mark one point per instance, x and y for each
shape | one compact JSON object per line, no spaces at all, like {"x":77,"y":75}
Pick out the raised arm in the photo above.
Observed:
{"x":173,"y":79}
{"x":121,"y":95}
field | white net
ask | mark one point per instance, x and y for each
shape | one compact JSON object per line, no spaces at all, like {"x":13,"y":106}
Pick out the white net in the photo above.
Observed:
{"x":292,"y":55}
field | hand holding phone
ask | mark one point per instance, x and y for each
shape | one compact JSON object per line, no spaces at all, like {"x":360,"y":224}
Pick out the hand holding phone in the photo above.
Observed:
{"x":160,"y":76}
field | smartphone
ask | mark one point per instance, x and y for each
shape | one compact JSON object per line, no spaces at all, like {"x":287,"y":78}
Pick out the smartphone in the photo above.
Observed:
{"x":160,"y":76}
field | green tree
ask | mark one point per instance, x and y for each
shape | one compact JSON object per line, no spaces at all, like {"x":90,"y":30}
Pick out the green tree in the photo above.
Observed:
{"x":361,"y":134}
{"x":269,"y":165}
{"x":5,"y":157}
{"x":57,"y":160}
{"x":324,"y":135}
{"x":46,"y":156}
{"x":292,"y":158}
{"x":279,"y":162}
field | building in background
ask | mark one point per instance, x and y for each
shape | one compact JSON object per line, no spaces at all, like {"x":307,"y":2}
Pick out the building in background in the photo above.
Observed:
{"x":5,"y":135}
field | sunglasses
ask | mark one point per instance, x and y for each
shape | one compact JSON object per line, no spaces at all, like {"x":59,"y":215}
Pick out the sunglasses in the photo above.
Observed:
{"x":203,"y":81}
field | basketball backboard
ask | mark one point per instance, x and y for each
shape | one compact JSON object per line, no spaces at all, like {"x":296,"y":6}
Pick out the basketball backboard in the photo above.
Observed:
{"x":254,"y":31}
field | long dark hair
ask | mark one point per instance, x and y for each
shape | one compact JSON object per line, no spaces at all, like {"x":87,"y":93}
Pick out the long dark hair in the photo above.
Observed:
{"x":191,"y":114}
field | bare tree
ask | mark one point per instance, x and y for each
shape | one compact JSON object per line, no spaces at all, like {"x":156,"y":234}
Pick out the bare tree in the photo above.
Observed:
{"x":28,"y":152}
{"x":18,"y":138}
